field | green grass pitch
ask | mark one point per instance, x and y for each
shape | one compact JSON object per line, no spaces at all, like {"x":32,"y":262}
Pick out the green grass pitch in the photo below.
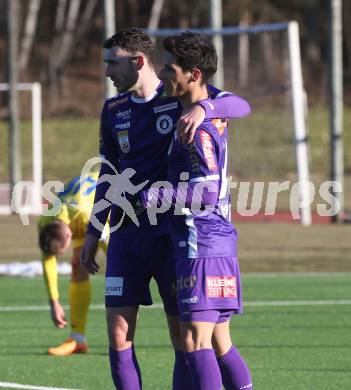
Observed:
{"x":287,"y":347}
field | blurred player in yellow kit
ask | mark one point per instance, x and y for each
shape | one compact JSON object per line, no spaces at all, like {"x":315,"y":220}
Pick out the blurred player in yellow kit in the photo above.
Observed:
{"x":55,"y":235}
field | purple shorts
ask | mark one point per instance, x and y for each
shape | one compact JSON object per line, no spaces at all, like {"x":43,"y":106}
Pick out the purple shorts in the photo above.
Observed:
{"x":130,"y":266}
{"x":208,"y":289}
{"x":214,"y":316}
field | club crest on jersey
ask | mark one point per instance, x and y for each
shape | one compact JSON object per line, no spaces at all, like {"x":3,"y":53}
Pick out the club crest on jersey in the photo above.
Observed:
{"x":123,"y":141}
{"x":219,"y":125}
{"x":164,"y":124}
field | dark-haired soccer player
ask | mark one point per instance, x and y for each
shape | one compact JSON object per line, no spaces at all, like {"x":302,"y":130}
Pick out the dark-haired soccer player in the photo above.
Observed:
{"x":204,"y":240}
{"x":136,"y":130}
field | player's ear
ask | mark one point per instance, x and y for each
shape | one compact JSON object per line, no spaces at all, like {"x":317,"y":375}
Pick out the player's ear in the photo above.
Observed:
{"x":139,"y":62}
{"x":195,"y":74}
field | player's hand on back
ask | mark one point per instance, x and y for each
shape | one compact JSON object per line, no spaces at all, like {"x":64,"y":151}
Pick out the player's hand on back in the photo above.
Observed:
{"x":88,"y":253}
{"x":189,"y":121}
{"x":58,"y":315}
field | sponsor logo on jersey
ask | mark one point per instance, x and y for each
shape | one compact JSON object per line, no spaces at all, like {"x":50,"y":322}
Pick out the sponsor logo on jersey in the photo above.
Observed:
{"x":220,"y":125}
{"x":117,"y":102}
{"x":165,"y":107}
{"x":194,"y":157}
{"x":190,"y":300}
{"x":123,"y":140}
{"x":126,"y":114}
{"x":182,"y":283}
{"x":123,"y":125}
{"x":164,"y":124}
{"x":114,"y":286}
{"x":209,"y":152}
{"x":221,"y":287}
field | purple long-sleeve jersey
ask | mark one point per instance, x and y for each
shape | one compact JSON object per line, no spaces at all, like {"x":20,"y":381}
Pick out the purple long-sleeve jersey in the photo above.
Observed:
{"x":136,"y":133}
{"x":200,"y":224}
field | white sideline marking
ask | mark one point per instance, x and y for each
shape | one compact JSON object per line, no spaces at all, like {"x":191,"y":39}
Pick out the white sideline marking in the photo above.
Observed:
{"x":160,"y":306}
{"x":288,"y":274}
{"x":9,"y":385}
{"x":298,"y":303}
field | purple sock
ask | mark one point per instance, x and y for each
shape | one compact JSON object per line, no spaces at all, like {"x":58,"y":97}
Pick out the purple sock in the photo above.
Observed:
{"x":181,"y":375}
{"x":204,"y":370}
{"x":234,"y":370}
{"x":125,"y":369}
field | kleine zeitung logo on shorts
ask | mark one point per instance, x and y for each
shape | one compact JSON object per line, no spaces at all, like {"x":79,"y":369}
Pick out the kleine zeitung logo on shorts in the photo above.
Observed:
{"x":221,"y":287}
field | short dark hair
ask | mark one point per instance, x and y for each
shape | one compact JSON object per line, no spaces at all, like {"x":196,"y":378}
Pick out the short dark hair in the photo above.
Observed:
{"x":193,"y":51}
{"x":50,"y":234}
{"x":132,"y":40}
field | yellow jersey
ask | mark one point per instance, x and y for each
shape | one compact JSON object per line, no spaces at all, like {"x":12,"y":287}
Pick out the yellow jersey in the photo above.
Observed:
{"x":77,"y":201}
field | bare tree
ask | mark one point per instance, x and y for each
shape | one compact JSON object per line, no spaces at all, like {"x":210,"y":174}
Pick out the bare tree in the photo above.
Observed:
{"x":155,"y":14}
{"x":63,"y":43}
{"x":29,"y":32}
{"x":133,"y":12}
{"x":83,"y":27}
{"x":244,"y":47}
{"x":268,"y":57}
{"x":60,"y":15}
{"x":69,"y":32}
{"x":54,"y":58}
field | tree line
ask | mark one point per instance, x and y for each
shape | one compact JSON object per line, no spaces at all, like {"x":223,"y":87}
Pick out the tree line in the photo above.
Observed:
{"x":56,"y":35}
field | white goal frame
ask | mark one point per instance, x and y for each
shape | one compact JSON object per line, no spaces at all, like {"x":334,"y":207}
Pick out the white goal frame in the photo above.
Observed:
{"x":34,"y":206}
{"x":298,"y":96}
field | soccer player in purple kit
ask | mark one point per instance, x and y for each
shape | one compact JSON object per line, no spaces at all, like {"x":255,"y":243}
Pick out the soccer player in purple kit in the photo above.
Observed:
{"x":136,"y":130}
{"x":204,"y":240}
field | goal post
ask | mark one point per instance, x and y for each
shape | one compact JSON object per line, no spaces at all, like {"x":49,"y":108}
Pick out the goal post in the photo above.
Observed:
{"x":33,"y":204}
{"x":298,"y":94}
{"x":298,"y":98}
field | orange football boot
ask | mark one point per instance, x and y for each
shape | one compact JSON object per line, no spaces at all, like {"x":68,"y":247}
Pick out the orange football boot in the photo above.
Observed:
{"x":68,"y":347}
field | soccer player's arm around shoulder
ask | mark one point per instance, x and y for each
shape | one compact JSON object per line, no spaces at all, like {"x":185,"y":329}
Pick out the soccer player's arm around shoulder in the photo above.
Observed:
{"x":224,"y":104}
{"x":219,"y":104}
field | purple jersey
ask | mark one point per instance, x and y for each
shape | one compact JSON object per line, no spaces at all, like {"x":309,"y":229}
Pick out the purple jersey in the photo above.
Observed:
{"x":200,"y":234}
{"x":136,"y":133}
